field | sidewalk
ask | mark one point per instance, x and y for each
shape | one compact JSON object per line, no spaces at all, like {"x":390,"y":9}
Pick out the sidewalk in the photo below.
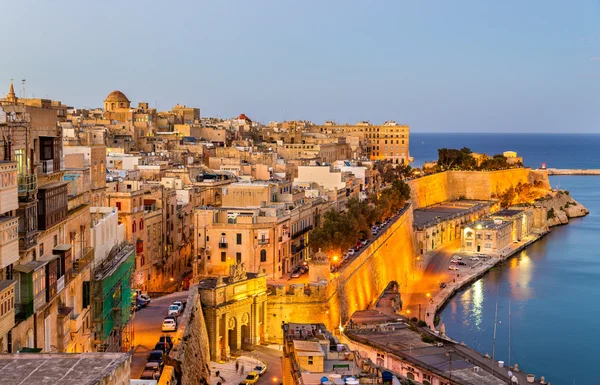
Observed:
{"x":228,"y":372}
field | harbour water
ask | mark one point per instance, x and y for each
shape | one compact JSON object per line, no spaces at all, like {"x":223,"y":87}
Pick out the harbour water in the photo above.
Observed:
{"x":552,"y":288}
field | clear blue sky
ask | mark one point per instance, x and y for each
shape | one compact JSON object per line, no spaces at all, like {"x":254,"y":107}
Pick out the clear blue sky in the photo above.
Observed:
{"x":483,"y":66}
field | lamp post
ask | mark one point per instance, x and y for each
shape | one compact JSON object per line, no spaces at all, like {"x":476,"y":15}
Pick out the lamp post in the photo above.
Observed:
{"x":449,"y":355}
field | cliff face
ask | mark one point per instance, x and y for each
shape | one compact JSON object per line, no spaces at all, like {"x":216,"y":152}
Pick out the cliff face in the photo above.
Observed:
{"x":561,"y":206}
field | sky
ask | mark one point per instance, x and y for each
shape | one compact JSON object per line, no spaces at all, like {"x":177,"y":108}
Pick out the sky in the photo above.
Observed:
{"x":438,"y":66}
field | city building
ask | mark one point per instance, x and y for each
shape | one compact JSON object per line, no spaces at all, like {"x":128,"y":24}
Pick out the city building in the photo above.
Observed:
{"x":486,"y":236}
{"x":234,"y":308}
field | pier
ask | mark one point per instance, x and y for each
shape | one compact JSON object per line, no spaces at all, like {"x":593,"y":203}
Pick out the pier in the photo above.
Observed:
{"x":557,"y":171}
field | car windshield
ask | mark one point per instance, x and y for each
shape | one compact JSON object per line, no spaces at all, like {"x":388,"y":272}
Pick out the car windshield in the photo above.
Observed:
{"x":250,"y":377}
{"x":173,"y":307}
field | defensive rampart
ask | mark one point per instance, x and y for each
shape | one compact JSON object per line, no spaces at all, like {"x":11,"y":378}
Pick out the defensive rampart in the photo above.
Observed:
{"x":390,"y":257}
{"x":452,"y":185}
{"x":188,"y":361}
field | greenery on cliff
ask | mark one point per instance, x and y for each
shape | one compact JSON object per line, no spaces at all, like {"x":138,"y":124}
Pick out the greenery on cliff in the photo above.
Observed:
{"x":341,"y":230}
{"x":522,"y":193}
{"x":465,"y":159}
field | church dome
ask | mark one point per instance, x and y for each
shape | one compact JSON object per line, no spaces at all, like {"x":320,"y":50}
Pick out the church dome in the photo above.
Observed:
{"x":319,"y":258}
{"x":116,"y":96}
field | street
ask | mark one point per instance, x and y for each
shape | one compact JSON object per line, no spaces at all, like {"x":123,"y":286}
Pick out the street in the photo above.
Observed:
{"x":147,"y":329}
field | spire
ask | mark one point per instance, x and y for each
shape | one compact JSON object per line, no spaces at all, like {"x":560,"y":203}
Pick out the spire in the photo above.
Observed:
{"x":11,"y":97}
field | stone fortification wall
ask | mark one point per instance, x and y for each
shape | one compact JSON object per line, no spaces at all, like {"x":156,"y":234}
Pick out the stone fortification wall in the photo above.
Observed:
{"x":452,"y":185}
{"x":357,"y":285}
{"x":190,"y":355}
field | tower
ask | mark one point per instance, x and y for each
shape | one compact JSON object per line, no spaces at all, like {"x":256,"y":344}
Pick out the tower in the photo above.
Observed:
{"x":11,"y":97}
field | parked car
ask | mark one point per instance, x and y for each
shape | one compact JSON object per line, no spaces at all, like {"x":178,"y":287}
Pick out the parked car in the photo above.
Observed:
{"x":452,"y":267}
{"x":461,"y":263}
{"x":178,"y":303}
{"x":167,"y":339}
{"x":251,"y":378}
{"x":474,"y":258}
{"x":169,"y":325}
{"x":260,"y":369}
{"x":162,"y":346}
{"x":453,"y":261}
{"x":442,"y":285}
{"x":141,"y":303}
{"x":155,"y":366}
{"x":174,"y":310}
{"x":156,"y":356}
{"x":457,"y":257}
{"x":148,"y":374}
{"x":145,"y":297}
{"x":350,"y":252}
{"x":296,"y":273}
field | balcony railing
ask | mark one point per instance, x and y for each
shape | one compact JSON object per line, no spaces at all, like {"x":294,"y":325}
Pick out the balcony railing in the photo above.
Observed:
{"x":222,"y":245}
{"x":302,"y":232}
{"x":27,"y":183}
{"x":47,"y":166}
{"x":264,"y":241}
{"x":297,"y":249}
{"x":80,"y":264}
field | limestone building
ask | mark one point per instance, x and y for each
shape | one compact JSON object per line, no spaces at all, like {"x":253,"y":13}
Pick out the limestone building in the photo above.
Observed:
{"x":486,"y":236}
{"x":234,"y":308}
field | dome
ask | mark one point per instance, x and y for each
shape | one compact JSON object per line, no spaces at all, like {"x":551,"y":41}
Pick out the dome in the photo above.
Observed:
{"x":319,"y":258}
{"x":116,"y":96}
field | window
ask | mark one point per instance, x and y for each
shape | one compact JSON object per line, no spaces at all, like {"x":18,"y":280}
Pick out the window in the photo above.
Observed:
{"x":41,"y":249}
{"x":488,"y":245}
{"x":55,"y":240}
{"x":238,"y":257}
{"x":488,"y":237}
{"x":133,"y":227}
{"x":263,"y":255}
{"x":469,"y":244}
{"x":223,"y":256}
{"x":119,"y":206}
{"x":478,"y":236}
{"x":310,"y":360}
{"x":238,"y":238}
{"x":141,"y":224}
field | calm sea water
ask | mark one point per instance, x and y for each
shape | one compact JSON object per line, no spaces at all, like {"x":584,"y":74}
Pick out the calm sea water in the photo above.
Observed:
{"x":553,"y":288}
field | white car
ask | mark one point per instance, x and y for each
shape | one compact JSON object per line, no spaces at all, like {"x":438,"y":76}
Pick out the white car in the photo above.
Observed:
{"x":457,"y":257}
{"x":169,"y":325}
{"x":174,"y":310}
{"x":475,"y":259}
{"x":452,"y":267}
{"x":350,"y":252}
{"x":178,"y":303}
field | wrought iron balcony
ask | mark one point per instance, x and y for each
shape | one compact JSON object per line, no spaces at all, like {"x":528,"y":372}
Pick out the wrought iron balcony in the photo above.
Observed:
{"x":222,"y":245}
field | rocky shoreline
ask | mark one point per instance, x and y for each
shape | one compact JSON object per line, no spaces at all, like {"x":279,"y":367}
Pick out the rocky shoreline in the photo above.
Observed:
{"x":561,"y":207}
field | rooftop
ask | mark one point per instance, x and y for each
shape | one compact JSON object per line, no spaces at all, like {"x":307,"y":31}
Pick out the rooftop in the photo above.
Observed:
{"x":507,"y":213}
{"x":63,"y":369}
{"x":446,"y":210}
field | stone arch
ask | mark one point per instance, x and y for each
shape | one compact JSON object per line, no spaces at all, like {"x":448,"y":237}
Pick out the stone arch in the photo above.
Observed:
{"x":245,"y":330}
{"x":232,"y":330}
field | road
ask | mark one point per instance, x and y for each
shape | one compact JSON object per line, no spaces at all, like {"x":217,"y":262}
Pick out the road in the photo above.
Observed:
{"x":432,"y":270}
{"x":147,"y":329}
{"x":272,"y":358}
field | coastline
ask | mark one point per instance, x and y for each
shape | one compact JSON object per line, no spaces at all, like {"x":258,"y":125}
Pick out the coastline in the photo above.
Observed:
{"x":442,"y":297}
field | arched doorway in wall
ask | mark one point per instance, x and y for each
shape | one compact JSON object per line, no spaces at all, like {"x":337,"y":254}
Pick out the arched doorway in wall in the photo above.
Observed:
{"x":232,"y":336}
{"x":245,"y":331}
{"x":410,"y":375}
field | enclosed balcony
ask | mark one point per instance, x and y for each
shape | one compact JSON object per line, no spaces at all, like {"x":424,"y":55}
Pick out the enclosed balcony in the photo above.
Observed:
{"x":32,"y":288}
{"x":7,"y":305}
{"x":52,"y":205}
{"x":9,"y":240}
{"x":9,"y":195}
{"x":28,"y":224}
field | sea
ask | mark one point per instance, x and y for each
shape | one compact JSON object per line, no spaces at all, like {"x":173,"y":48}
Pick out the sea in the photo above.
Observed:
{"x":547,"y":296}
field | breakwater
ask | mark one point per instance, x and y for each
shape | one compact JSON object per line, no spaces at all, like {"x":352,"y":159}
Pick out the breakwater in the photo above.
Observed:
{"x":556,"y":171}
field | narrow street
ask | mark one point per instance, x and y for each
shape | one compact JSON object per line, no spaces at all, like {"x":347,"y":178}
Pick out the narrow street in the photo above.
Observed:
{"x":147,"y":329}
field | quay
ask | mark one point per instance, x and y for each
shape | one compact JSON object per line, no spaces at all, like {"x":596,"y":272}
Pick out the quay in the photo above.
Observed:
{"x":443,"y":296}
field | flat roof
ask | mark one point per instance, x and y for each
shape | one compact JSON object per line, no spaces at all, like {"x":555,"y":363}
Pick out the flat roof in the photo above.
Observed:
{"x":59,"y":368}
{"x":446,"y":210}
{"x":507,"y":213}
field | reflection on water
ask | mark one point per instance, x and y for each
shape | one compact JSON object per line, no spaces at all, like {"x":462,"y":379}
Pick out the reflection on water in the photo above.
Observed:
{"x":554,"y":290}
